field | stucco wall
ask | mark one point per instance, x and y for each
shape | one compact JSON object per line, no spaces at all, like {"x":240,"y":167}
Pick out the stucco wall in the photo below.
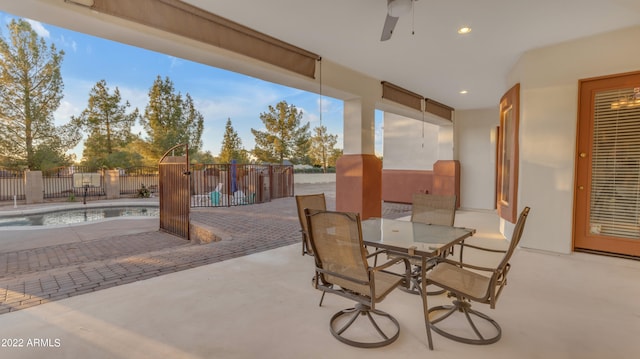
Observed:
{"x":405,"y":146}
{"x":475,"y":138}
{"x":548,"y":118}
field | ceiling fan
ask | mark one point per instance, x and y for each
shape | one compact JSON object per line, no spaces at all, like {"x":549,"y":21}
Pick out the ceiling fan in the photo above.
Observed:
{"x":395,"y":9}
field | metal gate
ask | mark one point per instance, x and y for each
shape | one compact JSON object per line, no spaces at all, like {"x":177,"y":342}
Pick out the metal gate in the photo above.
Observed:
{"x":174,"y":191}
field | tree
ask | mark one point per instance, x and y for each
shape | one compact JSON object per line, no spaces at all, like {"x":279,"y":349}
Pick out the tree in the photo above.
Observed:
{"x":322,"y":145}
{"x":283,"y":135}
{"x":301,"y":150}
{"x":170,"y":120}
{"x":30,"y":91}
{"x":232,"y":146}
{"x":333,"y":158}
{"x":141,"y":149}
{"x":202,"y":157}
{"x":109,"y":127}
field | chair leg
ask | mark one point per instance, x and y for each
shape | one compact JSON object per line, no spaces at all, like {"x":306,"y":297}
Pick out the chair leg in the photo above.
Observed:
{"x":464,"y":307}
{"x":414,"y":285}
{"x":313,"y":283}
{"x":357,"y":312}
{"x":322,"y":298}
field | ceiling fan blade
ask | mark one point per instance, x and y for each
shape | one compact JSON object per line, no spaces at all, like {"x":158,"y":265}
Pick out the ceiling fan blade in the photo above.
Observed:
{"x":389,"y":24}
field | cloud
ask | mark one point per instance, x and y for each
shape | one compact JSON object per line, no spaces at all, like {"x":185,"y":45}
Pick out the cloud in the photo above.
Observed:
{"x":39,"y":28}
{"x":174,"y":62}
{"x":42,"y":31}
{"x":138,"y":97}
{"x":63,"y":113}
{"x":328,"y":104}
{"x":68,"y":43}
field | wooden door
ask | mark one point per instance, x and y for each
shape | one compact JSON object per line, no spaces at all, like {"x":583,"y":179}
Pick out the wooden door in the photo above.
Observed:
{"x":607,"y":190}
{"x":174,"y":191}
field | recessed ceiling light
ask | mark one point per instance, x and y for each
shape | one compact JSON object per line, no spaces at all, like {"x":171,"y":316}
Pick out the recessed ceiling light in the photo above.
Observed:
{"x":464,"y":30}
{"x":464,"y":92}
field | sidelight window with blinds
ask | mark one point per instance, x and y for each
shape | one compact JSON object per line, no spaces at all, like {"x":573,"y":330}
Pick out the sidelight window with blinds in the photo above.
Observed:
{"x":615,"y":164}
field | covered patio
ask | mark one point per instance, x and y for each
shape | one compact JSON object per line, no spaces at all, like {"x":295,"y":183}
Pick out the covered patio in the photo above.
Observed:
{"x":263,"y":306}
{"x":558,"y":303}
{"x":439,"y":90}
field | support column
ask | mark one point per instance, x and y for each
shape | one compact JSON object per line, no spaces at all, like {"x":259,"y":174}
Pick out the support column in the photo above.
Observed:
{"x":33,"y":187}
{"x":112,"y":184}
{"x":359,"y":185}
{"x":359,"y":171}
{"x":446,"y":178}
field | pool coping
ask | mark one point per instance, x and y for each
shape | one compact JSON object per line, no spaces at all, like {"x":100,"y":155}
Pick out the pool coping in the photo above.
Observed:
{"x":47,"y":208}
{"x":72,"y":205}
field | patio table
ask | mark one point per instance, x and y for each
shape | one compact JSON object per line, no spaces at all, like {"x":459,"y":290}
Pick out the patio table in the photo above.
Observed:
{"x":414,"y":240}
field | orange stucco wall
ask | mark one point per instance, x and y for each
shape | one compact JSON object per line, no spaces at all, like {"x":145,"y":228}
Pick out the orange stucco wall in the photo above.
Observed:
{"x":400,"y":185}
{"x":446,"y":179}
{"x":358,"y":185}
{"x":362,"y":185}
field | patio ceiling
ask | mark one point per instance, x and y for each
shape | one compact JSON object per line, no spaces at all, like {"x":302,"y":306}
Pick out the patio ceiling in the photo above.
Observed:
{"x":434,"y":62}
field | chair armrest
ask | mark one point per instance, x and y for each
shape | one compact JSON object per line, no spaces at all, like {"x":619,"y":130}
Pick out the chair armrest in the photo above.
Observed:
{"x":381,"y":268}
{"x":374,"y":254}
{"x":464,"y":265}
{"x":389,"y":263}
{"x":464,"y":244}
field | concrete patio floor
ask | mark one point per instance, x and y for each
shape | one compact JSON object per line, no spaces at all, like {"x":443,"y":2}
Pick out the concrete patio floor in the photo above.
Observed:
{"x":262,"y":305}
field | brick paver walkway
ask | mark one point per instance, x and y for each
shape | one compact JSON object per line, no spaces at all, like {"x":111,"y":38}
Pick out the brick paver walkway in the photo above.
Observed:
{"x":40,"y":275}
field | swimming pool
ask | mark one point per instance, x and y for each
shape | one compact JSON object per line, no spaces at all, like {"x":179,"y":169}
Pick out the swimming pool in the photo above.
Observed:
{"x":77,"y":215}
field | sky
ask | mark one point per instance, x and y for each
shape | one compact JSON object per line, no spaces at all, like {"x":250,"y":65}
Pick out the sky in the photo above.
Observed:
{"x":218,"y":94}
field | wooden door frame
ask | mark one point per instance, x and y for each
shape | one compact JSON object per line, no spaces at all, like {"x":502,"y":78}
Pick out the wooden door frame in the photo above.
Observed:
{"x":507,"y":208}
{"x":584,"y":146}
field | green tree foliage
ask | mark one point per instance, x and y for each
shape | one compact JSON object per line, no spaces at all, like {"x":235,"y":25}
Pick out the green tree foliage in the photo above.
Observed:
{"x":109,"y":127}
{"x":232,"y":146}
{"x":141,"y":148}
{"x":284,"y":137}
{"x":333,"y":158}
{"x":302,"y":150}
{"x":169,"y":120}
{"x":30,"y":91}
{"x":202,"y":157}
{"x":322,"y":146}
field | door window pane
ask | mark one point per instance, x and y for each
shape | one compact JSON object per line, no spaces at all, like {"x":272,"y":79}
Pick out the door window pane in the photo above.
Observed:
{"x":615,"y":165}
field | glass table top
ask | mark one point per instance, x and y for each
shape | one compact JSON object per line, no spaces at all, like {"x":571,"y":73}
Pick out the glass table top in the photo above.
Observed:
{"x":425,"y":239}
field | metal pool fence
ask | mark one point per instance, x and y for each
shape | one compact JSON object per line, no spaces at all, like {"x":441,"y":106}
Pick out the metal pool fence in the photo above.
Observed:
{"x":59,"y":183}
{"x":222,"y":185}
{"x":133,"y":179}
{"x":212,"y":185}
{"x":11,"y":184}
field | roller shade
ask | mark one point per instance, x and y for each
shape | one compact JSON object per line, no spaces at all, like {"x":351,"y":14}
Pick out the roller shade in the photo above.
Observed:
{"x":615,"y":164}
{"x":397,"y":94}
{"x":189,"y":21}
{"x":410,"y":99}
{"x":439,"y":109}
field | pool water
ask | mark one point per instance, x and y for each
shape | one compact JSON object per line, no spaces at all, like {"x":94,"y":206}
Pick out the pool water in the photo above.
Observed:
{"x":71,"y":216}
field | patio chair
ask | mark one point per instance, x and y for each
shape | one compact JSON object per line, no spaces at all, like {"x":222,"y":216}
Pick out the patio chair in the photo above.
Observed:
{"x":342,"y":268}
{"x":430,"y":209}
{"x":433,"y":209}
{"x":312,"y":201}
{"x":472,"y":283}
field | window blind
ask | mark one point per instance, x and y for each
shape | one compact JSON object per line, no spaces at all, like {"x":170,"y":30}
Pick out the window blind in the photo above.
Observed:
{"x":402,"y":96}
{"x":183,"y":19}
{"x":615,"y":164}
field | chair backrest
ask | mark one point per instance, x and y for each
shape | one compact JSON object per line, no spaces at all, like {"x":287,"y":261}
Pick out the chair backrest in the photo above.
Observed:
{"x":311,"y":201}
{"x":340,"y":254}
{"x":499,"y":277}
{"x":515,"y":238}
{"x":433,"y":209}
